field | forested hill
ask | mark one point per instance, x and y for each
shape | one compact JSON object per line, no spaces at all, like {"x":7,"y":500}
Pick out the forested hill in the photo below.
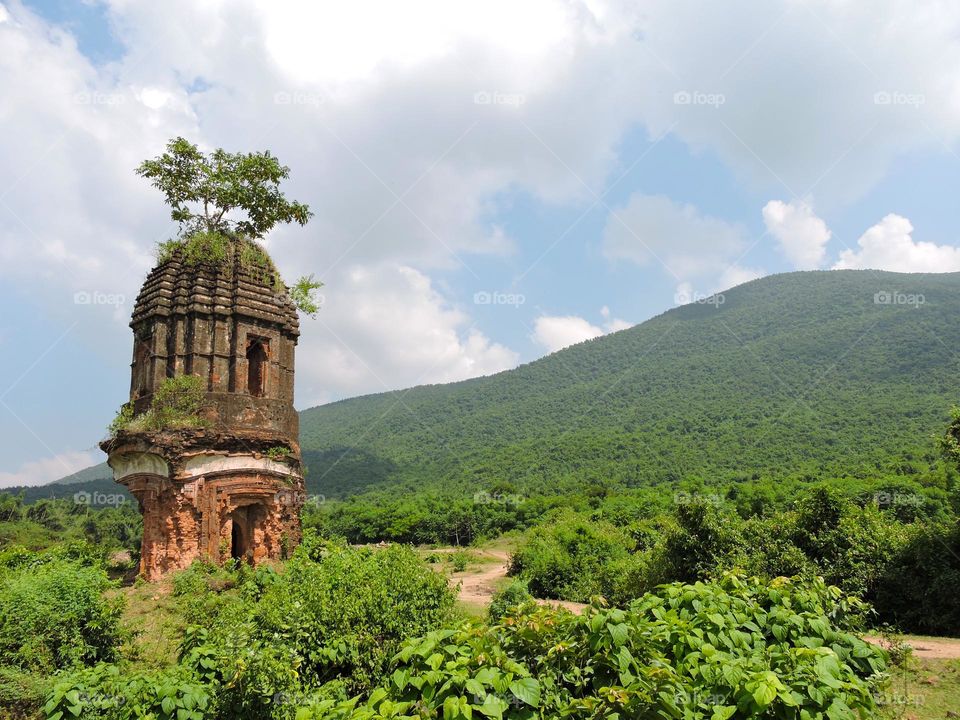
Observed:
{"x":791,"y":375}
{"x":804,"y":373}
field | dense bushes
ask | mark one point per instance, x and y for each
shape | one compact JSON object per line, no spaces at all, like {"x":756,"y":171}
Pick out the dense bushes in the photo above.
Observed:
{"x":327,"y":625}
{"x":296,"y":645}
{"x":920,"y":587}
{"x":738,"y":648}
{"x":571,"y":558}
{"x":53,"y":616}
{"x":903,"y":569}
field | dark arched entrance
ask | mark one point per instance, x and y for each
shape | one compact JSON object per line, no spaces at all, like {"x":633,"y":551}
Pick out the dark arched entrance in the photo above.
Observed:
{"x":241,"y":535}
{"x":257,"y":368}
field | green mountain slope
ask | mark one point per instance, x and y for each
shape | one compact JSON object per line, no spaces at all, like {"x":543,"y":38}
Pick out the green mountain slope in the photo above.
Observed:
{"x":796,"y":374}
{"x":90,"y":474}
{"x":791,"y":374}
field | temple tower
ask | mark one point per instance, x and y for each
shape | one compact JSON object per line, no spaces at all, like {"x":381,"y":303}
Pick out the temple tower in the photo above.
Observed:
{"x":232,"y":486}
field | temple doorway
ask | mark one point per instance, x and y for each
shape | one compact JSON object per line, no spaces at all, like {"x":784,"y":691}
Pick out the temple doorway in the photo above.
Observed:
{"x":240,"y":535}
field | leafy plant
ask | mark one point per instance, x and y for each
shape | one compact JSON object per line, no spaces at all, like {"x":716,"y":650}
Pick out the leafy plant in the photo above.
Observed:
{"x":513,"y":595}
{"x":304,"y":295}
{"x":203,"y":190}
{"x":459,"y":559}
{"x":739,"y":648}
{"x":53,"y":615}
{"x":105,"y":692}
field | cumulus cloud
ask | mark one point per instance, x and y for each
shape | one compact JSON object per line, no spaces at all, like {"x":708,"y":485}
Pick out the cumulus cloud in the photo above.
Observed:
{"x":888,"y":245}
{"x":45,"y":470}
{"x":803,"y":96}
{"x":387,"y":327}
{"x":802,"y":236}
{"x":555,"y":332}
{"x":653,"y":229}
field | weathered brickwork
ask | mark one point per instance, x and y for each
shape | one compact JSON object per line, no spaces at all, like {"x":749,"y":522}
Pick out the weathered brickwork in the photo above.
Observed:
{"x":229,"y":489}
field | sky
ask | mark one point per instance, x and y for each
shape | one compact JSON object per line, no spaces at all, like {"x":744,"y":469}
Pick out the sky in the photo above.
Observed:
{"x":491,"y":181}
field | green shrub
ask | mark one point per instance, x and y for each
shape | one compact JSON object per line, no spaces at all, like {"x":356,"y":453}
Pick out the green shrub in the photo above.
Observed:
{"x":176,"y":404}
{"x":919,"y":588}
{"x":347,"y":615}
{"x":738,"y":648}
{"x":703,"y":542}
{"x":513,"y":595}
{"x":104,"y":692}
{"x":53,"y":615}
{"x":460,"y":559}
{"x":569,"y":558}
{"x":335,"y":614}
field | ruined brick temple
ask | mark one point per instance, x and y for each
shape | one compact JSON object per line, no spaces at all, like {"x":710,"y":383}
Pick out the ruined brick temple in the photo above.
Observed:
{"x":234,"y":487}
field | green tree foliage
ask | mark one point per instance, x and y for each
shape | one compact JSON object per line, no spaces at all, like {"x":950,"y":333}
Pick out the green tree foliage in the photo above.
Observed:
{"x":204,"y":189}
{"x":795,"y":376}
{"x":736,"y":648}
{"x":225,"y":203}
{"x":329,"y":623}
{"x":902,"y":568}
{"x":572,"y":558}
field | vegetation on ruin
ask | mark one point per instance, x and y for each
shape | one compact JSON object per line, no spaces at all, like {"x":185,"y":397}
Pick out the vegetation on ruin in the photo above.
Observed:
{"x":278,"y":452}
{"x":175,"y":405}
{"x":206,"y":191}
{"x":225,"y":204}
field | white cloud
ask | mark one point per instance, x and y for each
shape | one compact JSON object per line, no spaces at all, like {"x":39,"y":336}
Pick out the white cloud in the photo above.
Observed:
{"x":888,"y":245}
{"x":803,"y":236}
{"x":652,"y":229}
{"x":45,"y":470}
{"x":737,"y":275}
{"x":387,"y":327}
{"x":555,"y":332}
{"x":803,"y":86}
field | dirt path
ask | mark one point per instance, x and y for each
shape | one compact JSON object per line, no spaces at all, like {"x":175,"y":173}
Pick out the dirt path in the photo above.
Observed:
{"x":478,"y":586}
{"x":926,"y":648}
